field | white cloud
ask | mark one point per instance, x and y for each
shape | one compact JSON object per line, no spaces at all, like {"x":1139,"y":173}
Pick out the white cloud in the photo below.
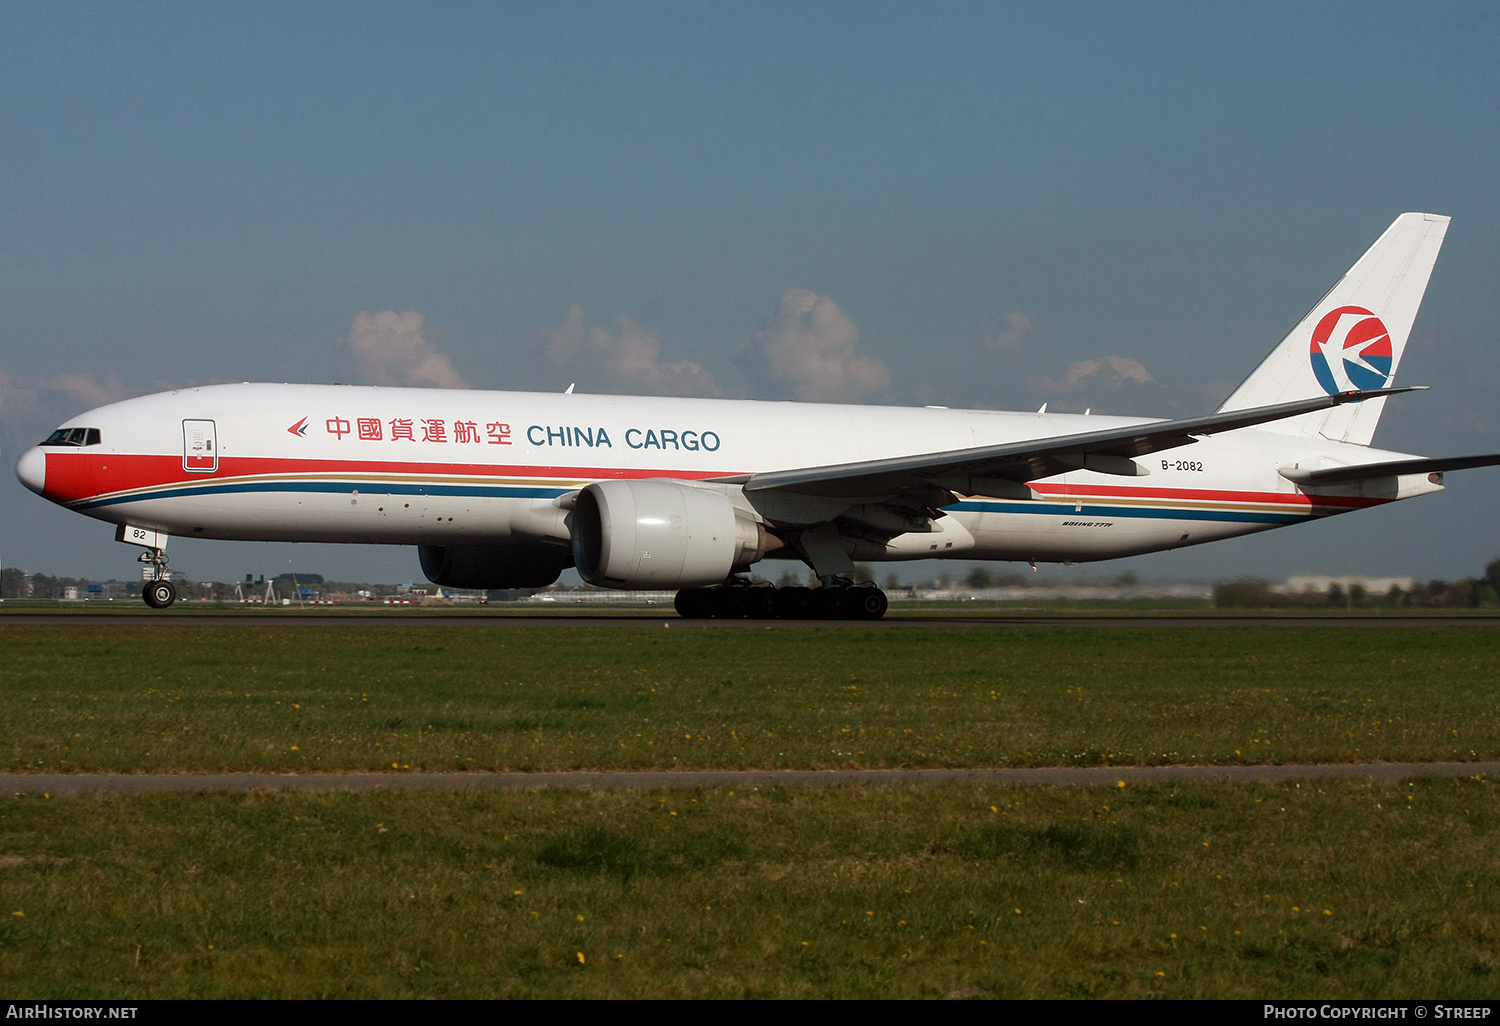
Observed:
{"x":1017,"y":327}
{"x":387,"y":348}
{"x":60,"y":396}
{"x":31,"y":407}
{"x":630,"y":358}
{"x":1121,"y":369}
{"x":809,"y":343}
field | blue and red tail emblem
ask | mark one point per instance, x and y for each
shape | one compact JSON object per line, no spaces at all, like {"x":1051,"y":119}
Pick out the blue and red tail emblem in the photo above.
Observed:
{"x":299,"y":428}
{"x":1351,"y":349}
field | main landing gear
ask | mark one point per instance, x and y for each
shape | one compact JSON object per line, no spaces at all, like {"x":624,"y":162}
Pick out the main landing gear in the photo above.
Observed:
{"x":766,"y":603}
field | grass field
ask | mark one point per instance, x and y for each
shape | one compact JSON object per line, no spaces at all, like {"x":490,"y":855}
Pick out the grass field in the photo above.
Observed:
{"x":1340,"y":889}
{"x":210,"y":697}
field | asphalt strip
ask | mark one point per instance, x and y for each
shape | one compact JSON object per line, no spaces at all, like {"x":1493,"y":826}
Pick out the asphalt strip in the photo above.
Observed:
{"x":1098,"y":776}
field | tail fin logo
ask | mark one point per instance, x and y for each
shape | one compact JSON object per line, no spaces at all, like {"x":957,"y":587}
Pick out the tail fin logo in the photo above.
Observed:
{"x":1351,"y":349}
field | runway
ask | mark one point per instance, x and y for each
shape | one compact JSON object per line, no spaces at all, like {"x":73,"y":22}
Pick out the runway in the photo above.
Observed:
{"x":898,"y":620}
{"x":1060,"y":776}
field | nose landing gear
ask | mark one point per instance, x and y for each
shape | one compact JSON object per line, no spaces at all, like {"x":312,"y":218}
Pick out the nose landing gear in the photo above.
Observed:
{"x":157,"y":590}
{"x":159,"y":594}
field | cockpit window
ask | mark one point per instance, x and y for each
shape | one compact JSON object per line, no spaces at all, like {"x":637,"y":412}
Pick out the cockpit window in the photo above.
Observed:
{"x":73,"y":436}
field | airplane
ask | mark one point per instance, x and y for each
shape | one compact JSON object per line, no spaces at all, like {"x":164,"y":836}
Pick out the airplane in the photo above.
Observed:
{"x":507,"y":489}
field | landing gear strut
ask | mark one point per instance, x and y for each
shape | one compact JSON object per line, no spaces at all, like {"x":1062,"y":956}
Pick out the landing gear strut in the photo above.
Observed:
{"x":158,"y":591}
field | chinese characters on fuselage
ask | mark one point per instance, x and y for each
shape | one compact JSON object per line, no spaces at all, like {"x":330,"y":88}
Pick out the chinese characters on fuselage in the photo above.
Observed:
{"x":469,"y":432}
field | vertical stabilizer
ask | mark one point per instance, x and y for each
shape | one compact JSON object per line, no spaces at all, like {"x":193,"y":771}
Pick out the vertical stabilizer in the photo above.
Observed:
{"x":1353,"y":338}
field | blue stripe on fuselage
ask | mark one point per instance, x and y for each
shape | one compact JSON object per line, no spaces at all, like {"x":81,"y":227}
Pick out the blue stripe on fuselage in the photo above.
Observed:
{"x":1228,"y":516}
{"x":335,"y":487}
{"x":552,"y":492}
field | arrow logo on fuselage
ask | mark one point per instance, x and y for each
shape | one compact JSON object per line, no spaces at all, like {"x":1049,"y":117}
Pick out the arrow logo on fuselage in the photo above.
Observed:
{"x":299,"y":428}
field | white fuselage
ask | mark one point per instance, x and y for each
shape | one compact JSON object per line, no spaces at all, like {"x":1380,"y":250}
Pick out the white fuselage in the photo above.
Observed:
{"x":437,"y":467}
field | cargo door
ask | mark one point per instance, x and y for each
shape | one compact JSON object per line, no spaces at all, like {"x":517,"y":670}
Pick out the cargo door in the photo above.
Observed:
{"x":200,"y":447}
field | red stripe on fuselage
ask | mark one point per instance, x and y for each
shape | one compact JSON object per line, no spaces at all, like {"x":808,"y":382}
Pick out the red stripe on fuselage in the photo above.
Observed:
{"x":72,"y":476}
{"x":1063,"y":491}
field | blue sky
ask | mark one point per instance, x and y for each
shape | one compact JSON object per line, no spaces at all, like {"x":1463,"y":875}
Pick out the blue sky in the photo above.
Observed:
{"x":987,"y":196}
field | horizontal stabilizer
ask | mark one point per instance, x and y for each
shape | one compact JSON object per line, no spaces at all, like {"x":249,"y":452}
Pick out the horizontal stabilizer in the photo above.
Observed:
{"x":1366,"y":471}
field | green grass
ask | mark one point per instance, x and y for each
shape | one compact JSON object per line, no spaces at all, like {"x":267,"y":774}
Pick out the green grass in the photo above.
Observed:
{"x":369,"y":697}
{"x":1336,"y":889}
{"x":1340,"y":890}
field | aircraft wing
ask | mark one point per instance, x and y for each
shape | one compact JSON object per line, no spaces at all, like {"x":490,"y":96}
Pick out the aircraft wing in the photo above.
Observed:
{"x":1365,"y":471}
{"x":1002,"y":469}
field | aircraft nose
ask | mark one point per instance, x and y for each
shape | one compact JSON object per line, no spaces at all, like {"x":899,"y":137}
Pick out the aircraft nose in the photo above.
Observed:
{"x":32,"y":469}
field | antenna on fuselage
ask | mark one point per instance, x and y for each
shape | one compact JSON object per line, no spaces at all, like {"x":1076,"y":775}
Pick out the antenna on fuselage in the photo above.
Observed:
{"x":569,"y":389}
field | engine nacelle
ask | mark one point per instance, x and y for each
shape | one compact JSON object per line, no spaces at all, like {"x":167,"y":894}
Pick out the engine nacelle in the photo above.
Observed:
{"x":493,"y":566}
{"x":660,"y":534}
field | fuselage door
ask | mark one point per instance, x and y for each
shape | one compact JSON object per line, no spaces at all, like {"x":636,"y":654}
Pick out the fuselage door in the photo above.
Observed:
{"x":200,"y":447}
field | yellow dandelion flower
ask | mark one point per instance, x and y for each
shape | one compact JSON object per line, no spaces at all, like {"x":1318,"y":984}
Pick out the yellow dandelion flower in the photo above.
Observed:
{"x":580,"y":954}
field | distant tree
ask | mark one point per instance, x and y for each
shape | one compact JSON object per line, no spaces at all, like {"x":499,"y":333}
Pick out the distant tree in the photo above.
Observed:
{"x":1336,"y":596}
{"x":862,"y":574}
{"x":789,"y":579}
{"x":1460,"y":593}
{"x":13,"y":583}
{"x":979,"y":578}
{"x":892,"y":582}
{"x":1246,"y":593}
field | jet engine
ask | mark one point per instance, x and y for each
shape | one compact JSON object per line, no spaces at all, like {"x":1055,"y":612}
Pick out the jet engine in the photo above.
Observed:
{"x":661,"y":534}
{"x":493,"y":566}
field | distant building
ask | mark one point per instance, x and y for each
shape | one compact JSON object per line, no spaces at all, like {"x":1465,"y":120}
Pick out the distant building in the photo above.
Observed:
{"x":1320,"y":585}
